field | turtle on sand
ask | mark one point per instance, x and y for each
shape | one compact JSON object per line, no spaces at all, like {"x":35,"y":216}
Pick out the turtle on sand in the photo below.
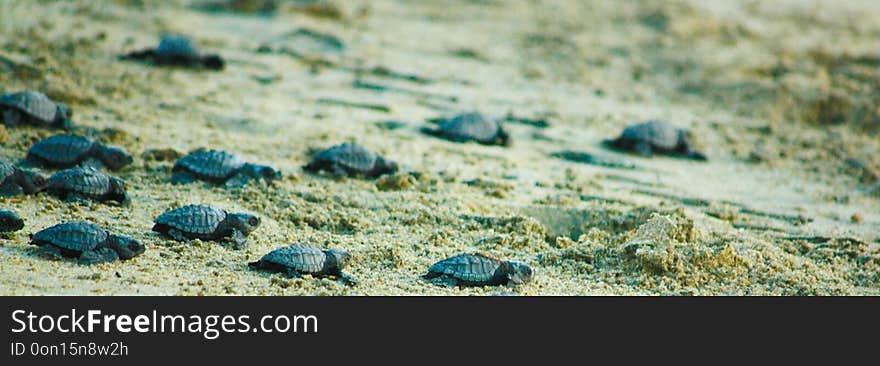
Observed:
{"x":656,"y":137}
{"x":177,"y":50}
{"x":221,"y":168}
{"x":478,"y":269}
{"x":350,"y":159}
{"x":471,"y":126}
{"x":206,"y":223}
{"x":87,"y":242}
{"x":34,"y":108}
{"x":299,"y":259}
{"x":66,"y":151}
{"x":15,"y":181}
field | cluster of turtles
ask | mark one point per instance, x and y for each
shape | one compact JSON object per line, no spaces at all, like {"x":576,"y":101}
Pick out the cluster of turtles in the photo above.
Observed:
{"x":81,"y":162}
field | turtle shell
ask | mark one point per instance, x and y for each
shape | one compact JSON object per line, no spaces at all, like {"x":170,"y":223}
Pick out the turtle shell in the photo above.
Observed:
{"x":75,"y":236}
{"x":193,"y":219}
{"x":477,"y":268}
{"x":83,"y":180}
{"x":657,"y":133}
{"x":6,"y":171}
{"x":175,"y":45}
{"x":470,"y":126}
{"x":62,"y":149}
{"x":349,"y":155}
{"x":211,"y":163}
{"x":33,"y":103}
{"x":301,"y":257}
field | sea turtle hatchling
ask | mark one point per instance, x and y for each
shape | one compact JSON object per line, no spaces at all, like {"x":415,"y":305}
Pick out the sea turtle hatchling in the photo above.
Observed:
{"x":471,"y":126}
{"x":478,"y":270}
{"x":88,"y":242}
{"x":79,"y":184}
{"x":350,"y":159}
{"x":10,"y":222}
{"x":299,"y":259}
{"x":177,"y":50}
{"x":648,"y":138}
{"x":34,"y":108}
{"x":66,"y":151}
{"x":206,"y":223}
{"x":219,"y":167}
{"x":15,"y":181}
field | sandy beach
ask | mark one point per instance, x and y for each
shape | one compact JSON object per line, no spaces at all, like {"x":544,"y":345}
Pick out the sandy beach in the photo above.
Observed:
{"x":782,"y":97}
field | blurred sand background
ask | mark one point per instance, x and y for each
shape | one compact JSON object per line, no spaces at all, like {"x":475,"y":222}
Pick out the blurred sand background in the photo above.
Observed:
{"x":782,"y":96}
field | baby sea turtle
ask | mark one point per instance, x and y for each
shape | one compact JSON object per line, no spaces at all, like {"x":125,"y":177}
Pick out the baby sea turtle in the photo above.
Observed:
{"x":478,"y":270}
{"x":34,"y":108}
{"x":88,"y":242}
{"x":350,"y":159}
{"x":219,"y":167}
{"x":206,"y":223}
{"x":471,"y":126}
{"x":15,"y":181}
{"x":66,"y":151}
{"x":79,"y":184}
{"x":176,"y":50}
{"x":299,"y":259}
{"x":648,"y":138}
{"x":10,"y":222}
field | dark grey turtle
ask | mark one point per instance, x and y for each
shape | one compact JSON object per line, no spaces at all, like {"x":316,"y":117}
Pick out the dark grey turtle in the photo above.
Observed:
{"x":88,"y":242}
{"x":219,"y":167}
{"x":15,"y":181}
{"x":66,"y":151}
{"x":10,"y":222}
{"x":206,"y":223}
{"x":299,"y":259}
{"x":350,"y":159}
{"x":471,"y":126}
{"x":648,"y":138}
{"x":176,"y":50}
{"x":34,"y":108}
{"x":85,"y":184}
{"x":478,"y":270}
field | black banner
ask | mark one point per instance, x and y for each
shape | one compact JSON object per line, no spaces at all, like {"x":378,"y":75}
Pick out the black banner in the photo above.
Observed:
{"x":297,"y":329}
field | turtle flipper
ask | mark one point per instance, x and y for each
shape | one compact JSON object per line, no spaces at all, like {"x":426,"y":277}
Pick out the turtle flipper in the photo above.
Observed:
{"x":237,"y":181}
{"x":696,"y":155}
{"x":291,"y":273}
{"x":51,"y":251}
{"x":445,"y":280}
{"x":346,"y":279}
{"x":182,"y":177}
{"x":92,"y":163}
{"x":238,"y":239}
{"x":644,"y":149}
{"x":10,"y":189}
{"x":100,"y":255}
{"x":12,"y":117}
{"x":76,"y":198}
{"x":176,"y":235}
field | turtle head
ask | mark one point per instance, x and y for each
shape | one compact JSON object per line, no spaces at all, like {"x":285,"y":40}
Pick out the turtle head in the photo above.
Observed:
{"x":385,"y":166}
{"x":517,"y":273}
{"x":114,"y":157}
{"x":63,"y":114}
{"x":337,"y":258}
{"x":265,"y":172}
{"x":117,"y":191}
{"x":33,"y":182}
{"x":126,"y":247}
{"x":213,"y":62}
{"x":244,"y":222}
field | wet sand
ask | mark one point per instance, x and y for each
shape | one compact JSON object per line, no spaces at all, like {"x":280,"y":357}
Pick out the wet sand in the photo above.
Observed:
{"x":782,"y":98}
